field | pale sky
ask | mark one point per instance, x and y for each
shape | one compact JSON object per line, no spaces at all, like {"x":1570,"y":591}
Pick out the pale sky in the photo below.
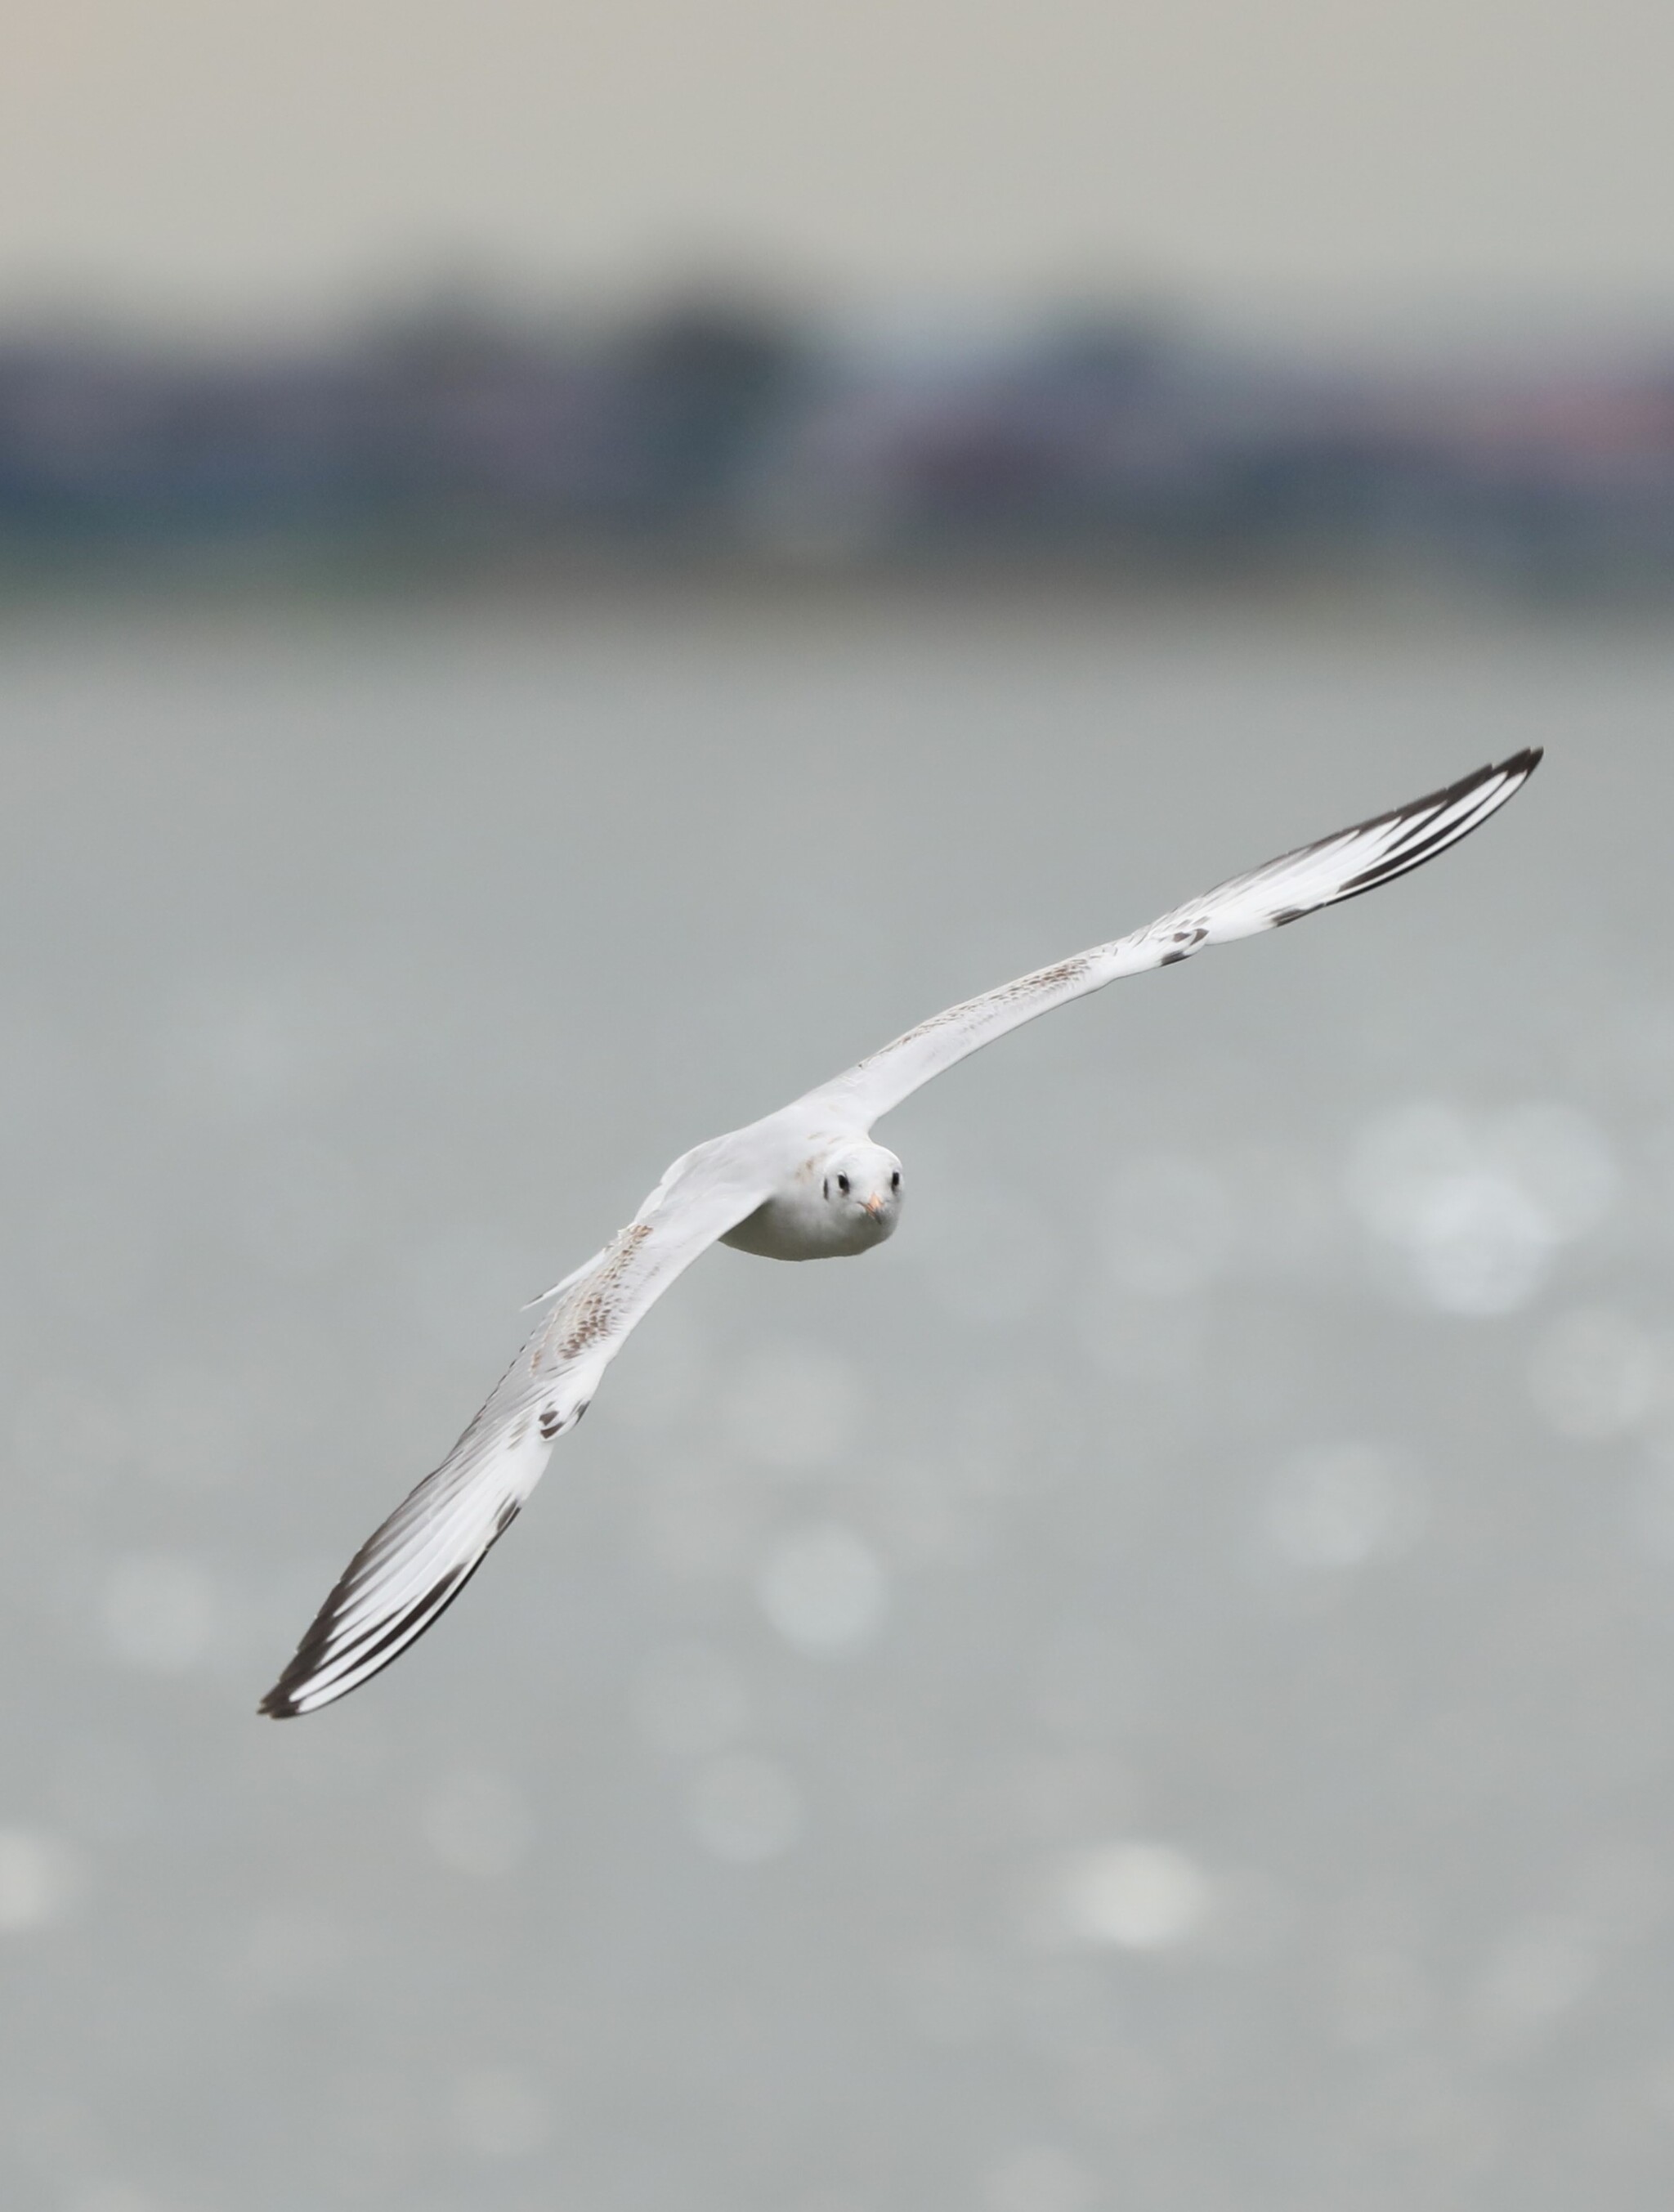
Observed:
{"x":240,"y":161}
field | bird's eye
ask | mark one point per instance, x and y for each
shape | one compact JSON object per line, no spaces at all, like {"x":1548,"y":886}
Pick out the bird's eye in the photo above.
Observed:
{"x":894,"y":1180}
{"x":842,"y":1182}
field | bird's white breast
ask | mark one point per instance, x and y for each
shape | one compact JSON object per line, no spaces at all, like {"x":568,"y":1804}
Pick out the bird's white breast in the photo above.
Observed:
{"x":794,"y":1224}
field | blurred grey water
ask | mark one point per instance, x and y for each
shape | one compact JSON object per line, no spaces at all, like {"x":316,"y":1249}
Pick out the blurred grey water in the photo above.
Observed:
{"x":1152,"y":1692}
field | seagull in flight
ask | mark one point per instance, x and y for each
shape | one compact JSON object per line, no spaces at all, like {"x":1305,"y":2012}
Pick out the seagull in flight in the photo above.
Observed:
{"x":804,"y":1183}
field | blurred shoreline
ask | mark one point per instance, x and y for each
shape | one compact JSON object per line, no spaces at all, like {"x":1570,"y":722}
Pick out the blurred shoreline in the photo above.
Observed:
{"x":269,"y":588}
{"x":726,"y":442}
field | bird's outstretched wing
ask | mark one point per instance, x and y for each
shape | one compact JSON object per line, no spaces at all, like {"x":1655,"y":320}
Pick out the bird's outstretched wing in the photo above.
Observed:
{"x":411,"y":1569}
{"x":1340,"y":867}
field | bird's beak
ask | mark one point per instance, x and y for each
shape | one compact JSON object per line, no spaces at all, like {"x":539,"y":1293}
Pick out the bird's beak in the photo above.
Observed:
{"x":875,"y":1206}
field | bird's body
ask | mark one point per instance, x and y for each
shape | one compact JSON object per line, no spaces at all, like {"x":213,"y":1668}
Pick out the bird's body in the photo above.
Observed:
{"x":839,"y":1199}
{"x":805,"y":1183}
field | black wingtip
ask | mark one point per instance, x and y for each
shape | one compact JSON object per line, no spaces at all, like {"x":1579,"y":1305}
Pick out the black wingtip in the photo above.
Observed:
{"x":283,"y":1702}
{"x":1520,"y":766}
{"x":1422,"y":840}
{"x":1516,"y":769}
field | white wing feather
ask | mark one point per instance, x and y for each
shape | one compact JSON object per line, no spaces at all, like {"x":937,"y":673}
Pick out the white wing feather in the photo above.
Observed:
{"x":1340,"y":867}
{"x":412,"y":1566}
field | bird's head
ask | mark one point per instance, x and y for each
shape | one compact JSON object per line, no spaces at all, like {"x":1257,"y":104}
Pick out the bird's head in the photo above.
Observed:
{"x":862,"y":1185}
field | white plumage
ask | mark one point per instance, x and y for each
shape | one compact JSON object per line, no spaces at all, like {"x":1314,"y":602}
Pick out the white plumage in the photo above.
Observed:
{"x":806,"y":1182}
